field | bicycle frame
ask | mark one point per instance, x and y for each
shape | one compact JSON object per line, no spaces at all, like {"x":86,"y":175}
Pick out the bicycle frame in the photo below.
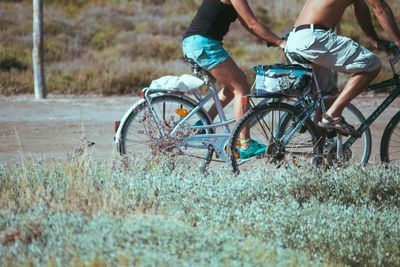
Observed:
{"x":286,"y":137}
{"x":282,"y":137}
{"x":394,"y":81}
{"x":217,"y":141}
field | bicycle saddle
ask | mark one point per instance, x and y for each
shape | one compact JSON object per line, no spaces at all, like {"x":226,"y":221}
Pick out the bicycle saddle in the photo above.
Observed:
{"x":193,"y":63}
{"x":196,"y":67}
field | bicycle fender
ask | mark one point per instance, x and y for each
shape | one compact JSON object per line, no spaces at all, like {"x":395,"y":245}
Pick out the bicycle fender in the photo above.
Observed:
{"x":117,"y":136}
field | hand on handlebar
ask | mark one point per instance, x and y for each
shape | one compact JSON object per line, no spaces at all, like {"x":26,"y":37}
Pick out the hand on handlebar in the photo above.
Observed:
{"x":393,"y":48}
{"x":382,"y":44}
{"x":281,"y":45}
{"x":392,"y":45}
{"x":389,"y":46}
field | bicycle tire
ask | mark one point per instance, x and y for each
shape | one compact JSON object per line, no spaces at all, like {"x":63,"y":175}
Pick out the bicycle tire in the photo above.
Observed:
{"x":360,"y":150}
{"x":391,"y":139}
{"x":257,"y":119}
{"x":141,"y":133}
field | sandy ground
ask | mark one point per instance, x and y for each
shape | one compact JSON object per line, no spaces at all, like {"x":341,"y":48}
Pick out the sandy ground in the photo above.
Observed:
{"x":52,"y":128}
{"x":55,"y":126}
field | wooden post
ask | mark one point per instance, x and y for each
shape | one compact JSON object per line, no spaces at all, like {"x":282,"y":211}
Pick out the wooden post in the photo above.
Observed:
{"x":37,"y":53}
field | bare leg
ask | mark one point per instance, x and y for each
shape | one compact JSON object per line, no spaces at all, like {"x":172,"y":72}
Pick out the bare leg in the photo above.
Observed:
{"x":318,"y":113}
{"x":234,"y":78}
{"x":226,"y":96}
{"x":354,"y":86}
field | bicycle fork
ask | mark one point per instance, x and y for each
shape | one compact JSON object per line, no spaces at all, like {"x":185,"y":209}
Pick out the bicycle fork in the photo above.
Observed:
{"x":339,"y":146}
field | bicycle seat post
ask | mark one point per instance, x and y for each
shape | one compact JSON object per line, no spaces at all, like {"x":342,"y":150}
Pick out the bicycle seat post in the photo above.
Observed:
{"x":210,"y":81}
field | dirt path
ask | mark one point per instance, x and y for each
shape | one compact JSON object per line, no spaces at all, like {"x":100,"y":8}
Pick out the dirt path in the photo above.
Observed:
{"x":55,"y":126}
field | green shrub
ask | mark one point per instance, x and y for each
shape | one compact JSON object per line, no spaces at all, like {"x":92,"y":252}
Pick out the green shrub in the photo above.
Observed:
{"x":16,"y":82}
{"x":133,"y":240}
{"x":9,"y":63}
{"x":15,"y":70}
{"x":14,"y":57}
{"x":261,"y":13}
{"x":102,"y":39}
{"x":341,"y":217}
{"x":5,"y":24}
{"x":54,"y":49}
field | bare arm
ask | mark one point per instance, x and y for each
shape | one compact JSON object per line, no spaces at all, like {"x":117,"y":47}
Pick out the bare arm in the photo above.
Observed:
{"x":253,"y":25}
{"x":364,"y":19}
{"x":386,"y":18}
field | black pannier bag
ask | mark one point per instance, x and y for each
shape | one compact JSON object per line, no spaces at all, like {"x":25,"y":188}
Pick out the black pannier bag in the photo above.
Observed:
{"x":290,"y":80}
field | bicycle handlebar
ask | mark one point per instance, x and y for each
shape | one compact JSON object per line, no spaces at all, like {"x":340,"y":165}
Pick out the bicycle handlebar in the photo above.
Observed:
{"x":396,"y":56}
{"x":391,"y":45}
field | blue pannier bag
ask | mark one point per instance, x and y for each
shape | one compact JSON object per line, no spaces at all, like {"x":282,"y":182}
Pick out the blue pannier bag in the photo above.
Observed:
{"x":289,"y":80}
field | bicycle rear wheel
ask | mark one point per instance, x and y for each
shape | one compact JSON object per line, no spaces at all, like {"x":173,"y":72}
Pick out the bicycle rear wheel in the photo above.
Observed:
{"x":277,"y":126}
{"x":142,"y":136}
{"x":390,"y":143}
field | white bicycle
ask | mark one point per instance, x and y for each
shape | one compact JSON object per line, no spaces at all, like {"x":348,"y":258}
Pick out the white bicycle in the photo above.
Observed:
{"x":170,"y":121}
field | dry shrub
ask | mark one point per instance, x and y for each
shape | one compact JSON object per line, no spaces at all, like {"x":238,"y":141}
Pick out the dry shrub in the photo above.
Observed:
{"x":108,"y":76}
{"x":159,"y":47}
{"x":140,"y":34}
{"x":16,"y":82}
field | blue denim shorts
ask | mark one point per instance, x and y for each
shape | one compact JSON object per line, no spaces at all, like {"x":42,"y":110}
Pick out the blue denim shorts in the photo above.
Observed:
{"x":207,"y":52}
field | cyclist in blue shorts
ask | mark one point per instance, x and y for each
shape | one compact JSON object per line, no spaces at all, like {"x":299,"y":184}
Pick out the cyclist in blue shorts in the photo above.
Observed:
{"x":203,"y":43}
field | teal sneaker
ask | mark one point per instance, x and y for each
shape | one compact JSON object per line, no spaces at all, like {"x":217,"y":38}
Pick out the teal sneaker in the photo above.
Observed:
{"x":200,"y":123}
{"x":254,"y":149}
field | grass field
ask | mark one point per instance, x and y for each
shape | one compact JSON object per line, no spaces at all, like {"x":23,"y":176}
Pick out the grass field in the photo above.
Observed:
{"x":89,"y":213}
{"x":117,"y":47}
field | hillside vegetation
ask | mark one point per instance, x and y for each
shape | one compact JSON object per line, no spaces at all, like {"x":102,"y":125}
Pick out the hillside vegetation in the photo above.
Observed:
{"x":117,"y":47}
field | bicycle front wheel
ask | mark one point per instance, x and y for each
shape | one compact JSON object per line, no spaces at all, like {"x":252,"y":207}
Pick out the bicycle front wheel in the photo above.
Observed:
{"x":147,"y":132}
{"x":390,"y":143}
{"x":277,"y":126}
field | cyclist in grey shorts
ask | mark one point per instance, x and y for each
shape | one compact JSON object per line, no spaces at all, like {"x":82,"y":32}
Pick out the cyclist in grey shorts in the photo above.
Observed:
{"x":313,"y":39}
{"x":203,"y":43}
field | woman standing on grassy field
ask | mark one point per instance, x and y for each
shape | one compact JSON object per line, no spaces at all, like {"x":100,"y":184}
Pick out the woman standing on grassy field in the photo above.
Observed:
{"x":203,"y":43}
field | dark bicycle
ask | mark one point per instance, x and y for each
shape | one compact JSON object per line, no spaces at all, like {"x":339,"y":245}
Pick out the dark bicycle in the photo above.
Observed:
{"x":290,"y":135}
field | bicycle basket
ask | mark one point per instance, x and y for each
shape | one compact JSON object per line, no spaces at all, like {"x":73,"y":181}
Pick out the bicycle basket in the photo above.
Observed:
{"x":290,"y":80}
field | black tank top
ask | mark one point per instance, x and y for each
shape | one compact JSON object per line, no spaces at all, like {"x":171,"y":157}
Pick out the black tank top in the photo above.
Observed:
{"x":212,"y":20}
